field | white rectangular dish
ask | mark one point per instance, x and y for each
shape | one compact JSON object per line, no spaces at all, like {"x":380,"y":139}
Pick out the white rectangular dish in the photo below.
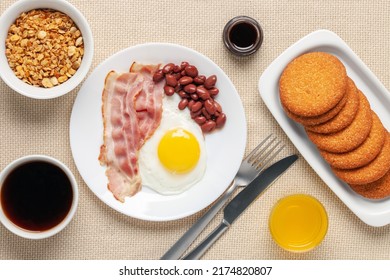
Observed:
{"x":371,"y":212}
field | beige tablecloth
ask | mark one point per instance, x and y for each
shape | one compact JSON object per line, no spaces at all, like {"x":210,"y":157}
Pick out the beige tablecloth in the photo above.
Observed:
{"x":97,"y":232}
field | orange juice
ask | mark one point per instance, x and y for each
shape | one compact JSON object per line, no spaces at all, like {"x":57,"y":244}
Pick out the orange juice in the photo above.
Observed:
{"x":298,"y":223}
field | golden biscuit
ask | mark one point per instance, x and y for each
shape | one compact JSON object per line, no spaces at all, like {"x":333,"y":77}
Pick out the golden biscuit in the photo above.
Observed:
{"x":306,"y":121}
{"x":312,"y":84}
{"x":350,"y":137}
{"x":371,"y":172}
{"x":375,"y":190}
{"x":346,"y":114}
{"x":363,"y":154}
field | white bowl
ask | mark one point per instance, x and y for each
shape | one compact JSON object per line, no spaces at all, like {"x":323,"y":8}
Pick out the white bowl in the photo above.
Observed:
{"x":9,"y":77}
{"x":54,"y":230}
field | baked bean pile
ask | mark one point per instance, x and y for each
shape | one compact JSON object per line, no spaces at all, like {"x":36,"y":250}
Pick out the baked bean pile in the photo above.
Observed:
{"x":196,"y":91}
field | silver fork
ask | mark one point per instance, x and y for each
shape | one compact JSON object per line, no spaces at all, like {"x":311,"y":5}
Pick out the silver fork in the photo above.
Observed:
{"x":250,"y":167}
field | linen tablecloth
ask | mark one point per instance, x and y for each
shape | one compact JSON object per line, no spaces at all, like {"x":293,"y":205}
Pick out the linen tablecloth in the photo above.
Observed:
{"x":31,"y":126}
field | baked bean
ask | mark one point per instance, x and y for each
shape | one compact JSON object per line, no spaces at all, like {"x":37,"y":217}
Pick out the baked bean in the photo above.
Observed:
{"x":205,"y":113}
{"x":210,"y":82}
{"x":200,"y":120}
{"x":217,"y":106}
{"x":185,"y":80}
{"x":190,"y":88}
{"x":197,"y":106}
{"x":202,"y":92}
{"x":190,"y":104}
{"x":177,"y":76}
{"x":177,"y":87}
{"x":183,"y":65}
{"x":183,"y":73}
{"x":213,"y":91}
{"x":191,"y":71}
{"x":210,"y":108}
{"x":205,"y":96}
{"x":194,"y":96}
{"x":220,"y":121}
{"x":169,"y":90}
{"x":199,"y":80}
{"x":201,"y":89}
{"x":158,"y":76}
{"x":168,"y":68}
{"x":183,"y":104}
{"x":196,"y":114}
{"x":177,"y":69}
{"x":182,"y":94}
{"x":208,"y":126}
{"x":170,"y":80}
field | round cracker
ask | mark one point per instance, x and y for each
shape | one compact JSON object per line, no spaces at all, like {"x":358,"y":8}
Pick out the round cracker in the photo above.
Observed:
{"x":346,"y":115}
{"x":309,"y":121}
{"x":350,"y":137}
{"x":371,"y":172}
{"x":312,"y":84}
{"x":363,"y":154}
{"x":376,"y":190}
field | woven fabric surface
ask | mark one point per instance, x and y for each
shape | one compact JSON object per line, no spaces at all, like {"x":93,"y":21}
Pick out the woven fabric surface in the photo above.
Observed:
{"x":97,"y":232}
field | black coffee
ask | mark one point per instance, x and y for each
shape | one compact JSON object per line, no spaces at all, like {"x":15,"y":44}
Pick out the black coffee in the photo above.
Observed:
{"x":243,"y":35}
{"x":36,"y":196}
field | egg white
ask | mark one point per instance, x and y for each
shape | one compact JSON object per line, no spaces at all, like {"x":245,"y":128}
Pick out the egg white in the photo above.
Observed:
{"x":153,"y":173}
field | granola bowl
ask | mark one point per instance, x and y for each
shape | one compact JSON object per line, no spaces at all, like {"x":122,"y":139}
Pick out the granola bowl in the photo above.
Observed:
{"x":47,"y":48}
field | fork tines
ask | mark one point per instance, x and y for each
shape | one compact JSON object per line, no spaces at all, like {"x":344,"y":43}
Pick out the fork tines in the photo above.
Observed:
{"x":266,"y":151}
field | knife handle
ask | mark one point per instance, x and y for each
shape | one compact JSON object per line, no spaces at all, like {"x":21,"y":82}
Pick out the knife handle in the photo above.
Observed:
{"x":178,"y":249}
{"x":198,"y":252}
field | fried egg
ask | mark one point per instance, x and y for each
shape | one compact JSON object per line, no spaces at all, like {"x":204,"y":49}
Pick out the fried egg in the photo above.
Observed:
{"x":174,"y":158}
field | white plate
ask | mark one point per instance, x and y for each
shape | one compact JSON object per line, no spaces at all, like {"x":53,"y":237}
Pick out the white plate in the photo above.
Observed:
{"x":225,"y":147}
{"x":374,"y":213}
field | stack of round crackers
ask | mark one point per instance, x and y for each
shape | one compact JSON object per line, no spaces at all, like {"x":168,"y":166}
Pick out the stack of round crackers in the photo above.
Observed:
{"x":316,"y":92}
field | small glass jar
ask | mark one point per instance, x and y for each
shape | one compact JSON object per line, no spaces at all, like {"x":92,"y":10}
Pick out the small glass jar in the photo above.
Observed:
{"x":298,"y":223}
{"x":242,"y":35}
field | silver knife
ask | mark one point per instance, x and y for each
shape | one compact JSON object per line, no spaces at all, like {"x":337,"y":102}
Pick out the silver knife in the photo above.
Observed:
{"x":241,"y":202}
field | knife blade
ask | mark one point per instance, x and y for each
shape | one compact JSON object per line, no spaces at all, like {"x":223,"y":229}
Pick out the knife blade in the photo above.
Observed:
{"x":241,"y":202}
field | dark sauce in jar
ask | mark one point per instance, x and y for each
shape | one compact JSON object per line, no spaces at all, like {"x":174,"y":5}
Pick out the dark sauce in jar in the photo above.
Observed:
{"x":36,"y":195}
{"x":242,"y":35}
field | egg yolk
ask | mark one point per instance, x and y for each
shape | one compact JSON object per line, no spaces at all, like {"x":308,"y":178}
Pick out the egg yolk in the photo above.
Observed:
{"x":179,"y":151}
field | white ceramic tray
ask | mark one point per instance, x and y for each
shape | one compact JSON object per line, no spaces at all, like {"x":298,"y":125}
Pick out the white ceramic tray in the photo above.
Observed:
{"x":372,"y":212}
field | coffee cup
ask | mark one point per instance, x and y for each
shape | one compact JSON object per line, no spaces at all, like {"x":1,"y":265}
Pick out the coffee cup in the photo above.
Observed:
{"x":38,"y":196}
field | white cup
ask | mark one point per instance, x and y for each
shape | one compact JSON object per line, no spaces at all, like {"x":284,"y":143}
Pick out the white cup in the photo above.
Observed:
{"x":57,"y":228}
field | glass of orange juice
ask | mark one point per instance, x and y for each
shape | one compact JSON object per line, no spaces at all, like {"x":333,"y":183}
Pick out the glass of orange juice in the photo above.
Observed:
{"x":298,"y":223}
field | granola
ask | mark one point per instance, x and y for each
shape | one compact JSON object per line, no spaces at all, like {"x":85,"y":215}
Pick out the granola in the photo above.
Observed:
{"x":44,"y":47}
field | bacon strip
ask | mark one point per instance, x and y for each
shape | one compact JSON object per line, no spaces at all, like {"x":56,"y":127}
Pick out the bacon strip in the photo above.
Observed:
{"x":149,"y":102}
{"x":132,"y":110}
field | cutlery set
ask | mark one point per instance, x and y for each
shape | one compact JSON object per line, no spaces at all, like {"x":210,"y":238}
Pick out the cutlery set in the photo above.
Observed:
{"x":253,"y":174}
